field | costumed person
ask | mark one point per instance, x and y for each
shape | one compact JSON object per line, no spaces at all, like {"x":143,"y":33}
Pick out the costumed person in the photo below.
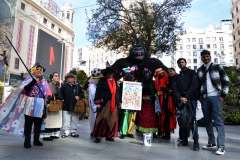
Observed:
{"x":107,"y":101}
{"x":93,"y":81}
{"x":54,"y":119}
{"x":127,"y":117}
{"x":146,"y":120}
{"x":25,"y":106}
{"x":167,"y":118}
{"x":137,"y":56}
{"x":71,"y":92}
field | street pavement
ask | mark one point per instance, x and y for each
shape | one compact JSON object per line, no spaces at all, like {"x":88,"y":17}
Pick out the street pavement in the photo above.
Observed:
{"x":83,"y":148}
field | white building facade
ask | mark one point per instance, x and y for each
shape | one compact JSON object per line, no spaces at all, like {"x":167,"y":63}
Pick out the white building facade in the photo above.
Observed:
{"x":218,"y":40}
{"x":33,"y":17}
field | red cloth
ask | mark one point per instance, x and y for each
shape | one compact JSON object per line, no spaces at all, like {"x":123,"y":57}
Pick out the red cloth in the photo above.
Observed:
{"x":113,"y":89}
{"x":102,"y":130}
{"x":146,"y":118}
{"x":162,"y":83}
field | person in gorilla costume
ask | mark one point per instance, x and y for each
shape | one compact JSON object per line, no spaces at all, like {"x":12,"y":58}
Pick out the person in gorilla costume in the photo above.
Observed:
{"x":138,"y":56}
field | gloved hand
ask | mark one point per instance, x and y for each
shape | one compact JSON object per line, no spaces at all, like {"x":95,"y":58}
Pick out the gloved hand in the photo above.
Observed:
{"x":49,"y":98}
{"x":165,"y":90}
{"x":29,"y":85}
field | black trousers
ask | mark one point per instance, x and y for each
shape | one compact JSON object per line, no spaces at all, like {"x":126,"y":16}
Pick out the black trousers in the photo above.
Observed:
{"x":28,"y":128}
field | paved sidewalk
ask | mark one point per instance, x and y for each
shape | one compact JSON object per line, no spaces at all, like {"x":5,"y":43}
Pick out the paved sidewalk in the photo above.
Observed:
{"x":83,"y":148}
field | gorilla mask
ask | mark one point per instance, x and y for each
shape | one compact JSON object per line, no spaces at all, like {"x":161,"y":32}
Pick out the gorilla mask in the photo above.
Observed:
{"x":138,"y":52}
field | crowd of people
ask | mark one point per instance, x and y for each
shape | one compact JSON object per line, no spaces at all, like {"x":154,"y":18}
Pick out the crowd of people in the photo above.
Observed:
{"x":164,"y":92}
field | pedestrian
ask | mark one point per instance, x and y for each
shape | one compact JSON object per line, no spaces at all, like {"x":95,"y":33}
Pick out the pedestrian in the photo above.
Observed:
{"x":185,"y":90}
{"x":167,"y":118}
{"x":146,"y":120}
{"x":54,"y":119}
{"x":92,"y":82}
{"x":27,"y":108}
{"x":71,"y":92}
{"x":172,"y":79}
{"x":107,"y":101}
{"x":214,"y":86}
{"x":127,"y":117}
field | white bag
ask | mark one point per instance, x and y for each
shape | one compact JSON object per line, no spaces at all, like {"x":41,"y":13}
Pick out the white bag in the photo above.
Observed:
{"x":147,"y":139}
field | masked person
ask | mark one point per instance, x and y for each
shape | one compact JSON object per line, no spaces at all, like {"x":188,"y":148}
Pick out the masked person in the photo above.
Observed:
{"x":127,"y":117}
{"x":71,"y":92}
{"x":54,"y":119}
{"x":186,"y":90}
{"x":214,"y":86}
{"x":107,"y":101}
{"x":146,"y":120}
{"x":92,"y":82}
{"x":27,"y":104}
{"x":167,"y":118}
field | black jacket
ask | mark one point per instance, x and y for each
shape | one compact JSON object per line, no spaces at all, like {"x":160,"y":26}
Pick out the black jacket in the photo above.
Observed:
{"x":187,"y":81}
{"x":103,"y":94}
{"x":69,"y":92}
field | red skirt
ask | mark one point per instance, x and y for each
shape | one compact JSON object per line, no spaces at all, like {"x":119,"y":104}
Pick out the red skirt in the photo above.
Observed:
{"x":102,"y":130}
{"x":146,"y":120}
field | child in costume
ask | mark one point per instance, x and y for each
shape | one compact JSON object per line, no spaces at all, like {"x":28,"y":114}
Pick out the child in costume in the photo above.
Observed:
{"x":127,"y":117}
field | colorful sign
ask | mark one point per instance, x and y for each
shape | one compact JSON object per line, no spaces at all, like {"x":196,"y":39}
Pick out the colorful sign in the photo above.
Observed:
{"x":132,"y":95}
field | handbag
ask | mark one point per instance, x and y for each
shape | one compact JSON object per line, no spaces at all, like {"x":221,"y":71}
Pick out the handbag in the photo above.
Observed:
{"x":157,"y":105}
{"x":80,"y":106}
{"x":55,"y":105}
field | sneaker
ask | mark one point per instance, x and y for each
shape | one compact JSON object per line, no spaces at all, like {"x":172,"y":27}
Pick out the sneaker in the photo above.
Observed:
{"x":209,"y":146}
{"x":220,"y":150}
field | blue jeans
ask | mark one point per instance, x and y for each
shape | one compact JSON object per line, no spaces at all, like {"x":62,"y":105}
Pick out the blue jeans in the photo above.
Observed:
{"x":195,"y":133}
{"x":212,"y":106}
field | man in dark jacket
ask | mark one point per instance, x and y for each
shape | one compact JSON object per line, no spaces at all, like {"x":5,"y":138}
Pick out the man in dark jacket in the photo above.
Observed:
{"x":187,"y":84}
{"x":214,"y":87}
{"x":71,"y":92}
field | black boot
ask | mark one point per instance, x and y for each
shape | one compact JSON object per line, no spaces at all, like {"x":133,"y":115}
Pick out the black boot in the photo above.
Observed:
{"x":130,"y":135}
{"x":27,"y":131}
{"x":48,"y":139}
{"x":184,"y":142}
{"x":27,"y":142}
{"x":37,"y":130}
{"x":196,"y":145}
{"x":122,"y":136}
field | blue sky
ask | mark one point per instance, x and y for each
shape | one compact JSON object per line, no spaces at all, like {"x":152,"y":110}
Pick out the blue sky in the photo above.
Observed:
{"x":201,"y":14}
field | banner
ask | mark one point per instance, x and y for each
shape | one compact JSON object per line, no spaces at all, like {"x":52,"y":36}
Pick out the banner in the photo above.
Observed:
{"x":7,"y":17}
{"x":132,"y":95}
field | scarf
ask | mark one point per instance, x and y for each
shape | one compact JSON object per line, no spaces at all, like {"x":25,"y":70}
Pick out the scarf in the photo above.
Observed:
{"x":112,"y":87}
{"x":162,"y":83}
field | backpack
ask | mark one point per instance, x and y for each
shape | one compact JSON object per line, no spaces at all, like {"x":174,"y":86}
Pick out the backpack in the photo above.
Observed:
{"x":185,"y":116}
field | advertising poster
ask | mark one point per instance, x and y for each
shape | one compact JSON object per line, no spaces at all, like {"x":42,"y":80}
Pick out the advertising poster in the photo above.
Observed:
{"x":7,"y":17}
{"x":132,"y":95}
{"x":49,"y":52}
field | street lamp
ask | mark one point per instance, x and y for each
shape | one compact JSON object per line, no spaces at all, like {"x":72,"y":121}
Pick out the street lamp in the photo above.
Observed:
{"x":61,"y":41}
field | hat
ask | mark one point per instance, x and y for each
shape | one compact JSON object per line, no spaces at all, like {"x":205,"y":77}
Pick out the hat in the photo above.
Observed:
{"x":109,"y":69}
{"x":70,"y":75}
{"x":51,"y":75}
{"x":158,"y":72}
{"x":38,"y":64}
{"x":96,"y":73}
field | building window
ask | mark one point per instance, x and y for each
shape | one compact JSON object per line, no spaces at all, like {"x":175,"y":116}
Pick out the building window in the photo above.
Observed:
{"x":72,"y":18}
{"x":232,"y":15}
{"x":233,"y":26}
{"x":97,"y":55}
{"x":208,"y":39}
{"x":221,"y":39}
{"x":72,"y":39}
{"x":101,"y":54}
{"x":189,"y":61}
{"x":200,"y":39}
{"x":236,"y":61}
{"x":201,"y":46}
{"x":16,"y":66}
{"x":214,"y":46}
{"x":52,"y":26}
{"x":106,"y":58}
{"x":181,"y":54}
{"x":234,"y":37}
{"x":102,"y":60}
{"x":195,"y":68}
{"x":237,"y":20}
{"x":221,"y":45}
{"x":194,"y":60}
{"x":188,"y":54}
{"x":230,"y":46}
{"x":215,"y":60}
{"x":194,"y":46}
{"x":189,"y":67}
{"x":181,"y":47}
{"x":188,"y":46}
{"x":22,"y":6}
{"x":208,"y":46}
{"x":181,"y":41}
{"x":44,"y":20}
{"x":59,"y":31}
{"x":68,"y":14}
{"x":194,"y":40}
{"x":215,"y":53}
{"x":92,"y":61}
{"x":188,"y":40}
{"x":96,"y":65}
{"x":222,"y":53}
{"x":194,"y":53}
{"x":214,"y":39}
{"x":230,"y":52}
{"x":237,"y":9}
{"x":235,"y":49}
